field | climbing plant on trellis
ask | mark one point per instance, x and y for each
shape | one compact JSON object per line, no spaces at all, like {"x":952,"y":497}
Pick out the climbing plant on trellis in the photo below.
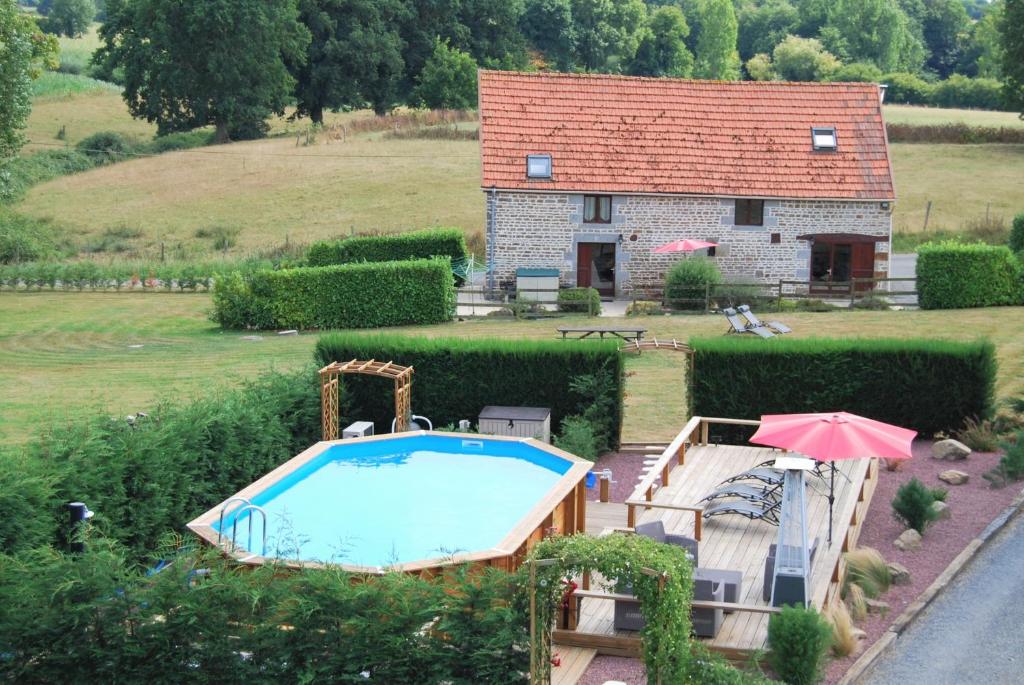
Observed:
{"x":661,"y":578}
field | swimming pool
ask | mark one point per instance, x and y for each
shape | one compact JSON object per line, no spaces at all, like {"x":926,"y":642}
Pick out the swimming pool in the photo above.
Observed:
{"x":411,"y":501}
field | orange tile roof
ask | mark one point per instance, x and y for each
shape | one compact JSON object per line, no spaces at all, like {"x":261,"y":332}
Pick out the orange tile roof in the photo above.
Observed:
{"x":646,"y":135}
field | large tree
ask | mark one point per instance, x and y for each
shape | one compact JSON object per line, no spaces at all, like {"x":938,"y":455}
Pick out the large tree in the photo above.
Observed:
{"x":353,"y":59}
{"x":70,"y":18}
{"x":1011,"y":29}
{"x":548,"y":25}
{"x":662,"y":50}
{"x":945,"y":28}
{"x":23,"y":50}
{"x":803,"y":59}
{"x":716,"y":45}
{"x":983,"y":51}
{"x":448,"y":80}
{"x":762,"y":26}
{"x":493,"y":37}
{"x":877,"y":31}
{"x":606,"y":31}
{"x":190,"y":63}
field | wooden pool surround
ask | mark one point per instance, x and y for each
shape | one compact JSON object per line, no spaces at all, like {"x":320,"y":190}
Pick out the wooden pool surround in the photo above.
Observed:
{"x":561,"y":511}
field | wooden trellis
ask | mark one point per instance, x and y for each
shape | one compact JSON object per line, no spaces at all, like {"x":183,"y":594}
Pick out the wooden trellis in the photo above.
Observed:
{"x":402,"y":375}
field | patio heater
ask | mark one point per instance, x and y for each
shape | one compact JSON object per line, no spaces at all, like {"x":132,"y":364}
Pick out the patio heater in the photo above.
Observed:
{"x":791,"y":576}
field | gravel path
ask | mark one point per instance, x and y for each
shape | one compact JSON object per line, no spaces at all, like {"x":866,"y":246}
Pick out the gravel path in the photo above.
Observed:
{"x":971,"y":633}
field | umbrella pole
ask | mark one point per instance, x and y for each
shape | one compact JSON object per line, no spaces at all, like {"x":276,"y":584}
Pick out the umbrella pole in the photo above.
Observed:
{"x":831,"y":499}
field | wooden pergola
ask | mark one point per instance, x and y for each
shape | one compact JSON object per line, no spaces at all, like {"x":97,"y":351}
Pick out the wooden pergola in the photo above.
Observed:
{"x":402,"y":376}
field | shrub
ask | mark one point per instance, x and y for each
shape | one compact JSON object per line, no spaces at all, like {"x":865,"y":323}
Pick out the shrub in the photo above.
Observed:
{"x":907,"y":89}
{"x":872,"y":302}
{"x":25,"y":239}
{"x":586,"y":300}
{"x":799,"y":639}
{"x":689,"y":281}
{"x":844,"y":641}
{"x":368,"y":295}
{"x":957,"y":133}
{"x":105,"y":147}
{"x":1017,"y":234}
{"x":980,"y":436}
{"x":184,"y":140}
{"x":953,"y":275}
{"x":1011,"y":464}
{"x":456,"y":378}
{"x":974,"y":93}
{"x":27,"y":499}
{"x":26,"y":171}
{"x":434,"y":242}
{"x":856,"y":601}
{"x":577,"y":437}
{"x":926,"y":385}
{"x":862,"y":72}
{"x":866,"y":567}
{"x":912,"y":505}
{"x":643,"y":308}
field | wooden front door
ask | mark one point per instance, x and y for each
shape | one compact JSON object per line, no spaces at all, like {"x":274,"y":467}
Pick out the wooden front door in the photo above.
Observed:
{"x":835,"y":264}
{"x":595,"y":267}
{"x":862,"y":263}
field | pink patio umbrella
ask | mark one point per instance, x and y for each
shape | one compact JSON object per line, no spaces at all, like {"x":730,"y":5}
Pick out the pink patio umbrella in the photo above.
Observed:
{"x":685,"y":245}
{"x":832,"y":436}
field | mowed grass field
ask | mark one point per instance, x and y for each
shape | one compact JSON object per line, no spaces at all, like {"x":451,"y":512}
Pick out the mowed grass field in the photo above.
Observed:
{"x":66,"y":355}
{"x":911,"y":114}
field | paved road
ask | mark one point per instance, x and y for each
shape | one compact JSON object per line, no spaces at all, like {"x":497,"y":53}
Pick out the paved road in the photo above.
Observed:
{"x":972,"y":632}
{"x":903,"y":265}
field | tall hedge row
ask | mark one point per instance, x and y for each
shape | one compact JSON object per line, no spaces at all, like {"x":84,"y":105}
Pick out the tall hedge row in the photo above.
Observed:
{"x":954,"y":275}
{"x":363,"y":295}
{"x":925,"y":385}
{"x":455,"y":378}
{"x":434,"y":242}
{"x":157,"y":472}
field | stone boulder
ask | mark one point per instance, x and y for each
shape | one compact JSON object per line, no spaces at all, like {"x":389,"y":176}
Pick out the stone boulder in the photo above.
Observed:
{"x":899,"y":573}
{"x":876,"y":606}
{"x":941,"y":510}
{"x":950,"y":450}
{"x":954,"y":477}
{"x":908,"y":541}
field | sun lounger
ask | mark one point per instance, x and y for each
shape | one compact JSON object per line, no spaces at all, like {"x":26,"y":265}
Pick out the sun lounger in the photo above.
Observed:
{"x":752,"y":493}
{"x":737,"y":325}
{"x":766,"y":511}
{"x":764,"y":474}
{"x":751,"y":317}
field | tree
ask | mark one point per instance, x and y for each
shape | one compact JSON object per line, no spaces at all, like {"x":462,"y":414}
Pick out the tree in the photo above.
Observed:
{"x":945,"y":29}
{"x":354,"y":57}
{"x":23,"y":51}
{"x":70,"y":18}
{"x":759,"y":67}
{"x":803,"y":59}
{"x":494,"y":38}
{"x":190,"y":63}
{"x":606,"y":32}
{"x":875,"y":31}
{"x":662,"y":50}
{"x":763,"y":26}
{"x":716,"y":46}
{"x":1011,"y":29}
{"x":548,"y":25}
{"x":982,"y":55}
{"x":448,"y":79}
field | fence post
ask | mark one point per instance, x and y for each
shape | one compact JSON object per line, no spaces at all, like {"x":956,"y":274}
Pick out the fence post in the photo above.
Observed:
{"x":853,"y":291}
{"x":707,"y":297}
{"x":778,"y":301}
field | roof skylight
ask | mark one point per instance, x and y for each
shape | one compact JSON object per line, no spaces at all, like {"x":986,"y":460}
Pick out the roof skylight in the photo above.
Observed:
{"x":538,"y":166}
{"x":824,"y":138}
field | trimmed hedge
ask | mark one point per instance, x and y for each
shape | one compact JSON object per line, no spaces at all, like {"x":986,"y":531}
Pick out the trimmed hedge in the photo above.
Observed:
{"x":926,"y":385}
{"x":455,"y":378}
{"x":364,"y":295}
{"x":434,"y":242}
{"x":954,"y":275}
{"x":586,"y":300}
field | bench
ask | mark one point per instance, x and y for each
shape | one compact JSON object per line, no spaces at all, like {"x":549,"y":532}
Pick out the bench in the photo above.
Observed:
{"x":629,"y":334}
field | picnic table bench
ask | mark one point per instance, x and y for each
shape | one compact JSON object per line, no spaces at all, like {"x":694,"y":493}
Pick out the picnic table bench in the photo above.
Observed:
{"x":628,"y":333}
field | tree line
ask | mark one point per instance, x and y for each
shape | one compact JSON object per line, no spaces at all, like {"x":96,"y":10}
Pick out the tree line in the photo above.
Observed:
{"x":233,"y":63}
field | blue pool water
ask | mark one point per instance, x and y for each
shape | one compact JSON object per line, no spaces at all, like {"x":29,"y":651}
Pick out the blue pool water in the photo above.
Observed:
{"x":394,"y":501}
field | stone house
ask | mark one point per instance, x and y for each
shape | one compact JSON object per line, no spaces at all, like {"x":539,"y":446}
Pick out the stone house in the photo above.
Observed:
{"x":590,"y":173}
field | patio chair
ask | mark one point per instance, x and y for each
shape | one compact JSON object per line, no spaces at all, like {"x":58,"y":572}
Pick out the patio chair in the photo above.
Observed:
{"x":656,"y":531}
{"x":765,"y":511}
{"x":750,"y":316}
{"x":764,"y":474}
{"x":737,"y":325}
{"x":707,"y":622}
{"x":751,"y":493}
{"x":769,"y":568}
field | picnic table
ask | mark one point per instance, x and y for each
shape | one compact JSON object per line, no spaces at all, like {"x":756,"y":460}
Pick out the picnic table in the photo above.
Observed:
{"x":627,"y":333}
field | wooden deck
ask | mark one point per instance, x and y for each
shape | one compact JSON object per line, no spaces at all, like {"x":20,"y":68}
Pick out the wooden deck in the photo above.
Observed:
{"x":730,"y":542}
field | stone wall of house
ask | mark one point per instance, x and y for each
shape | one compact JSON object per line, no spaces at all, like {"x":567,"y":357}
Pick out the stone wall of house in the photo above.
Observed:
{"x":542,"y":230}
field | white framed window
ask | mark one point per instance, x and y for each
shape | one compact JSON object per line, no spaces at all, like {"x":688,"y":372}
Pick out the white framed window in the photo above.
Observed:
{"x":824,"y":138}
{"x":538,"y":166}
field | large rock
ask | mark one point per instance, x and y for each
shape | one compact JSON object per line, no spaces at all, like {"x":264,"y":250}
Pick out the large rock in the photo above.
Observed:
{"x":899,"y":573}
{"x":954,"y":477}
{"x":859,"y":634}
{"x":950,"y":450}
{"x":876,"y":606}
{"x":941,"y":510}
{"x":908,"y":541}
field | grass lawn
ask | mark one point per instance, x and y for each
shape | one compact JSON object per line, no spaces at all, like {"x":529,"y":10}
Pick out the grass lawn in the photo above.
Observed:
{"x":909,"y":114}
{"x":69,"y":354}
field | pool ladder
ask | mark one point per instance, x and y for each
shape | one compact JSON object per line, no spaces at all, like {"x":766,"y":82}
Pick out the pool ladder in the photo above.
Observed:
{"x":246,"y":505}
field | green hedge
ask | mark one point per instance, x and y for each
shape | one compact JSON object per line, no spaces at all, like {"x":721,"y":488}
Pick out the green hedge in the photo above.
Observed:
{"x":159,"y":472}
{"x":586,"y":300}
{"x":925,"y":385}
{"x":455,"y":378}
{"x":364,"y":295}
{"x":954,"y":275}
{"x":434,"y":242}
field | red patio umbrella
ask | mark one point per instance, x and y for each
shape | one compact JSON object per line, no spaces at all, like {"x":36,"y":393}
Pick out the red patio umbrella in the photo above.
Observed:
{"x":832,"y":436}
{"x":684,"y":245}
